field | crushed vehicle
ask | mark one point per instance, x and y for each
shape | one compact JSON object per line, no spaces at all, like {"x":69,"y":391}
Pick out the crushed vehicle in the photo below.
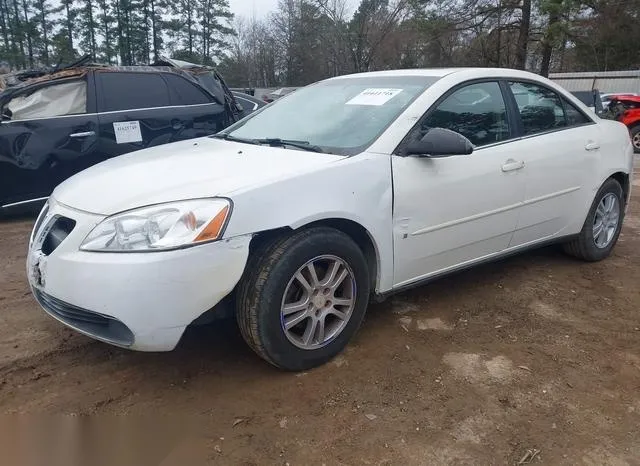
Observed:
{"x":351,"y":189}
{"x":56,"y":123}
{"x":210,"y":79}
{"x":626,"y":109}
{"x":606,"y":98}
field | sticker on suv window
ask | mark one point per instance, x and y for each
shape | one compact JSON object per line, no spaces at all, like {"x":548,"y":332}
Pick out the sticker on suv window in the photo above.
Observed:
{"x":127,"y":131}
{"x":374,"y":96}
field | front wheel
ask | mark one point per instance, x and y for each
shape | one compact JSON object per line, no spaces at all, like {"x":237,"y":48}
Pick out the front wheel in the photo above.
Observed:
{"x":602,"y":227}
{"x":303,"y":297}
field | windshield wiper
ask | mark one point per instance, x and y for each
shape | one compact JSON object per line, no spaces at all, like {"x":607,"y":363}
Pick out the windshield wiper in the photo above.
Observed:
{"x":304,"y":145}
{"x":228,"y":137}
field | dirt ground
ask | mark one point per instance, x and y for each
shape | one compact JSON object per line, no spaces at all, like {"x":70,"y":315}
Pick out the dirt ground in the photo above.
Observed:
{"x":538,"y":352}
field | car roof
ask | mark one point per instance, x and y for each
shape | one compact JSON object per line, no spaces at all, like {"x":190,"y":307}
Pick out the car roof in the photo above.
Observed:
{"x":442,"y":72}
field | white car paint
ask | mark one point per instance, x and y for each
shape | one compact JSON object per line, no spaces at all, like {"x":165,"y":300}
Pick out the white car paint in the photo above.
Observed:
{"x":424,"y":216}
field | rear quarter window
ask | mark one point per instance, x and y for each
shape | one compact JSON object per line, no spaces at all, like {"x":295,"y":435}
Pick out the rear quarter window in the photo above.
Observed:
{"x":574,"y":116}
{"x":183,"y":92}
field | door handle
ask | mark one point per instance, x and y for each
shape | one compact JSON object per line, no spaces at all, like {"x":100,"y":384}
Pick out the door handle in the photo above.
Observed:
{"x":512,"y":165}
{"x":592,"y":146}
{"x":86,"y":134}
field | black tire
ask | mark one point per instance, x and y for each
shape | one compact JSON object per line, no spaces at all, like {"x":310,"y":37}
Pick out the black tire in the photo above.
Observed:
{"x":261,"y":291}
{"x":584,"y":245}
{"x":635,"y":138}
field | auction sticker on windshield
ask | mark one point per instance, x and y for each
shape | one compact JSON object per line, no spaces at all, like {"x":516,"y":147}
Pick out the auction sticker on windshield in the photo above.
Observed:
{"x":127,"y":131}
{"x":374,"y":96}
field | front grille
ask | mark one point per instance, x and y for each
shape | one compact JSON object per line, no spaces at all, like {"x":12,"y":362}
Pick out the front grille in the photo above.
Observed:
{"x":58,"y":229}
{"x":97,"y":325}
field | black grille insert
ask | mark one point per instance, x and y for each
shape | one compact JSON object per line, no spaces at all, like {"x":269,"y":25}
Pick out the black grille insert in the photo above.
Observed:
{"x":57,"y":233}
{"x":98,"y":325}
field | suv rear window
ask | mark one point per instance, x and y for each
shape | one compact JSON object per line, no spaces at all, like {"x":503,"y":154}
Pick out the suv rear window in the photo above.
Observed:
{"x":185,"y":93}
{"x":128,"y":91}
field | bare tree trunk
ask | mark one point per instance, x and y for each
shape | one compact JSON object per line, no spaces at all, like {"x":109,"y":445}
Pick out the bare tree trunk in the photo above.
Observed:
{"x":147,"y":48}
{"x":67,"y":6}
{"x":523,"y":35}
{"x":154,"y":31}
{"x":190,"y":28}
{"x":28,"y":33}
{"x":123,"y":56}
{"x":105,"y":31}
{"x":3,"y":26}
{"x":45,"y":38}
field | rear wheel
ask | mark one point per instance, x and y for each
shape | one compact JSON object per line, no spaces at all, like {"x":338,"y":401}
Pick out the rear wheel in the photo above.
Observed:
{"x":303,"y":297}
{"x":602,"y":227}
{"x":635,"y":138}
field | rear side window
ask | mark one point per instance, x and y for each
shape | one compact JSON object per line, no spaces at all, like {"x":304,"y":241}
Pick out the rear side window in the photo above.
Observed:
{"x":185,"y":93}
{"x":540,"y":108}
{"x":476,"y":111}
{"x":128,"y":91}
{"x":574,"y":116}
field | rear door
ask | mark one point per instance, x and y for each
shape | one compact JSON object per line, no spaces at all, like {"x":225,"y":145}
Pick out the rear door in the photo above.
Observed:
{"x":145,"y":109}
{"x":48,"y":133}
{"x":559,"y":149}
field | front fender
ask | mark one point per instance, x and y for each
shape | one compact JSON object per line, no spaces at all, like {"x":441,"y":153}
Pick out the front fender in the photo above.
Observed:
{"x":358,"y":189}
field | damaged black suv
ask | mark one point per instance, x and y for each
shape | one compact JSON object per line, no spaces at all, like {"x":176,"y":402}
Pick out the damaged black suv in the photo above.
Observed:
{"x":61,"y":122}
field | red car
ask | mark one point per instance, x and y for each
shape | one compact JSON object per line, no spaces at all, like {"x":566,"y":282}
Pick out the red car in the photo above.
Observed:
{"x":626,"y":109}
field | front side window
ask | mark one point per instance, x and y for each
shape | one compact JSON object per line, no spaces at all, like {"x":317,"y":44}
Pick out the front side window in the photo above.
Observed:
{"x":476,"y":111}
{"x":540,"y":108}
{"x":342,"y":116}
{"x":128,"y":91}
{"x":61,"y":99}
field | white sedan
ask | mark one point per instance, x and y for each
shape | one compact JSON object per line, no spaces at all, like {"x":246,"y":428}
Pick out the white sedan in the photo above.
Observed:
{"x":352,"y":188}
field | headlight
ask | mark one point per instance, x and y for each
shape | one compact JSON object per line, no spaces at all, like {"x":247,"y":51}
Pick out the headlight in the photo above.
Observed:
{"x":161,"y":227}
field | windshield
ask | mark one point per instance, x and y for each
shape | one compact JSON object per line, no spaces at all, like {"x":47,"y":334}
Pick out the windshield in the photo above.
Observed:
{"x":341,"y":116}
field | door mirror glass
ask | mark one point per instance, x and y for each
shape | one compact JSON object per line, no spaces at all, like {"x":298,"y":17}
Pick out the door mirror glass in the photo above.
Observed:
{"x":440,"y":142}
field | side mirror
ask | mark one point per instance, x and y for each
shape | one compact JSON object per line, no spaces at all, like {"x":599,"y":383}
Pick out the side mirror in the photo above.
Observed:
{"x":440,"y":142}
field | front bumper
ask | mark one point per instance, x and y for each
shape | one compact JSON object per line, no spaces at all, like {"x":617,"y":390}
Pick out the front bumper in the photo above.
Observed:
{"x":141,"y":301}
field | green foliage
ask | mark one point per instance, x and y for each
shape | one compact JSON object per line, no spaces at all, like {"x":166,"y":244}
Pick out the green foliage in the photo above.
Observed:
{"x":36,"y":33}
{"x":307,"y":40}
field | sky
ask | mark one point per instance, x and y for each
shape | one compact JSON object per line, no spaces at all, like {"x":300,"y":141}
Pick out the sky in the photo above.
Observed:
{"x":261,"y":8}
{"x":247,"y":8}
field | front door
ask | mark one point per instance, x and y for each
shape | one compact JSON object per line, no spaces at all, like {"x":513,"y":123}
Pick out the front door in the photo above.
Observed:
{"x":449,"y":212}
{"x":46,"y":136}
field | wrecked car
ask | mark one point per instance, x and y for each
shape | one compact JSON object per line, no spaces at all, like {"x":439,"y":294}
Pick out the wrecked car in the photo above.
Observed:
{"x":626,"y":109}
{"x":57,"y":124}
{"x":210,"y":79}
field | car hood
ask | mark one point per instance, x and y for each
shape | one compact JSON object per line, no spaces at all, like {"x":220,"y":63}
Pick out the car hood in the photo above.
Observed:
{"x":191,"y":169}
